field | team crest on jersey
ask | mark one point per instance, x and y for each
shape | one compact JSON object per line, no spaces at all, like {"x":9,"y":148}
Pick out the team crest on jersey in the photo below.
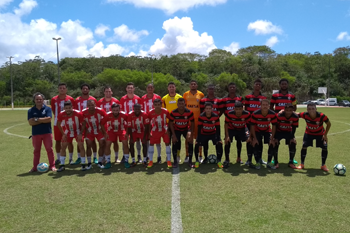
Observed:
{"x":44,"y":111}
{"x":288,"y":97}
{"x":260,"y":100}
{"x":291,"y":122}
{"x":252,"y":99}
{"x":269,"y":119}
{"x":213,"y":122}
{"x":243,"y":119}
{"x":185,"y":117}
{"x":317,"y":122}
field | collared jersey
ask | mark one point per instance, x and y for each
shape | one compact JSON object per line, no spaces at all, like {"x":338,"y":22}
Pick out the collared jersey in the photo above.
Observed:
{"x":235,"y":122}
{"x":228,"y":103}
{"x":193,"y":102}
{"x":252,"y":102}
{"x":170,"y":102}
{"x":115,"y":124}
{"x":208,"y":123}
{"x":285,"y":124}
{"x":107,"y":105}
{"x":93,"y":121}
{"x":158,"y":122}
{"x":57,"y":105}
{"x":261,"y":122}
{"x":43,"y":128}
{"x":81,"y":103}
{"x":127,"y":105}
{"x":217,"y":104}
{"x":181,"y":121}
{"x":280,"y":100}
{"x":71,"y":125}
{"x":138,"y":123}
{"x":314,"y":126}
{"x":148,"y":102}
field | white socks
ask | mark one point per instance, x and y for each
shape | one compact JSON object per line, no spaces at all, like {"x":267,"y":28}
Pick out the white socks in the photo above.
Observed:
{"x":82,"y":160}
{"x":108,"y":158}
{"x":168,"y":153}
{"x":159,"y":149}
{"x":58,"y":155}
{"x":150,"y":152}
{"x":62,"y":159}
{"x":138,"y":147}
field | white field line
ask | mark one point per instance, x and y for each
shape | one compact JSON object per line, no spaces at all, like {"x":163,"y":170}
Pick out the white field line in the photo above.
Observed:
{"x":176,"y":219}
{"x":345,"y":131}
{"x":16,"y":135}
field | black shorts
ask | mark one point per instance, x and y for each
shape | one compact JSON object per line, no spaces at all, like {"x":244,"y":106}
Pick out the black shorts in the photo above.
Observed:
{"x":202,"y":139}
{"x":284,"y":135}
{"x":240,"y":135}
{"x":308,"y":141}
{"x":179,"y":133}
{"x":260,"y":136}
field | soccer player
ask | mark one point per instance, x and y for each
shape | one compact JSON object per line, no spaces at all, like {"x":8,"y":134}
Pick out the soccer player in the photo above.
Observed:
{"x":211,"y":98}
{"x":181,"y":123}
{"x":57,"y":105}
{"x":169,"y":102}
{"x":158,"y":129}
{"x":69,"y":123}
{"x":287,"y":122}
{"x":148,"y":99}
{"x":116,"y":122}
{"x":127,"y":103}
{"x":106,"y":104}
{"x":236,"y":127}
{"x":80,"y":105}
{"x":192,"y":98}
{"x":137,"y":126}
{"x":92,"y":123}
{"x":208,"y":129}
{"x":252,"y":101}
{"x":260,"y":132}
{"x":315,"y":131}
{"x":282,"y":97}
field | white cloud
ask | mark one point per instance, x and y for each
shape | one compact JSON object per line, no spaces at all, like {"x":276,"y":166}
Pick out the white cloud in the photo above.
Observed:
{"x":272,"y":41}
{"x":233,"y":47}
{"x":4,"y":3}
{"x":170,"y":6}
{"x":343,"y":36}
{"x":264,"y":27}
{"x":25,"y":7}
{"x":180,"y":37}
{"x":27,"y":40}
{"x":123,"y":33}
{"x":101,"y":30}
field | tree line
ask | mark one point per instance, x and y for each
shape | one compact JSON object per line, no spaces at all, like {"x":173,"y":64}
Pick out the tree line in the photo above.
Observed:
{"x":305,"y":72}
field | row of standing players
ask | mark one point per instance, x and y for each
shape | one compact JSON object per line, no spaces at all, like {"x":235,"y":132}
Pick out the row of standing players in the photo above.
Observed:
{"x":194,"y":117}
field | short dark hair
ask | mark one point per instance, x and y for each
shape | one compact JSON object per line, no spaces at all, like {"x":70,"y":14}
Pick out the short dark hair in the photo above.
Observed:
{"x":150,"y":84}
{"x":180,"y":100}
{"x":258,"y":80}
{"x":193,"y":81}
{"x":288,"y":105}
{"x":265,"y":100}
{"x":208,"y":104}
{"x":171,"y":83}
{"x":91,"y":100}
{"x":157,"y":101}
{"x":238,"y":104}
{"x":107,"y":87}
{"x":210,"y":85}
{"x":114,"y":105}
{"x":130,"y":84}
{"x":62,"y":84}
{"x":311,"y":104}
{"x":137,"y":105}
{"x":231,"y":84}
{"x":283,"y":80}
{"x":67,"y":103}
{"x":85,"y":85}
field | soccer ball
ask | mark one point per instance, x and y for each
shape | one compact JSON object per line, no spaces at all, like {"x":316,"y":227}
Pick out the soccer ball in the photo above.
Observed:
{"x":212,"y":158}
{"x":42,"y":167}
{"x":339,"y":169}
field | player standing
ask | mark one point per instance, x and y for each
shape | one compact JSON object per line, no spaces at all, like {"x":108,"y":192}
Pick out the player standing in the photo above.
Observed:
{"x":106,"y":104}
{"x":192,"y":99}
{"x":236,"y":122}
{"x":138,"y":124}
{"x":208,"y":129}
{"x":211,"y":98}
{"x":169,"y":102}
{"x":69,"y":123}
{"x":158,"y":129}
{"x":287,"y":122}
{"x":92,"y":122}
{"x":181,"y":123}
{"x":260,"y":132}
{"x":57,"y":105}
{"x":315,"y":131}
{"x":148,"y":99}
{"x":116,"y":122}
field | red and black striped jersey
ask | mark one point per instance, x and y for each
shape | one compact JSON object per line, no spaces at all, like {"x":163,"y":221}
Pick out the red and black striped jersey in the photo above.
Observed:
{"x":280,"y":100}
{"x":217,"y":104}
{"x":235,"y":122}
{"x":253,"y":102}
{"x":181,"y":121}
{"x":208,"y":124}
{"x":314,"y":126}
{"x":262,"y":123}
{"x":285,"y":124}
{"x":228,"y":103}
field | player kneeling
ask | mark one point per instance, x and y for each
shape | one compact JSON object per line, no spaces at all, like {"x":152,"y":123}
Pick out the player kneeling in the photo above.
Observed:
{"x":138,"y":124}
{"x":116,"y":122}
{"x":236,"y":127}
{"x":208,"y":129}
{"x":287,"y":122}
{"x":69,"y":123}
{"x":158,"y":129}
{"x":315,"y":131}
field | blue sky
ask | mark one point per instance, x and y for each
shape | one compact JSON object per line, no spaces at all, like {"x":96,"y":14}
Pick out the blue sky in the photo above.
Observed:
{"x":142,"y":27}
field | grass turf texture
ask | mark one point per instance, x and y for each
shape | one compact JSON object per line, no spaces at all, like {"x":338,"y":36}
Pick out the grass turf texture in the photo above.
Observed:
{"x":236,"y":199}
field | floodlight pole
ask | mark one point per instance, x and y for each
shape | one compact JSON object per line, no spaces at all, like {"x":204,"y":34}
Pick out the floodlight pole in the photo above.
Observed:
{"x":58,"y":58}
{"x":10,"y":57}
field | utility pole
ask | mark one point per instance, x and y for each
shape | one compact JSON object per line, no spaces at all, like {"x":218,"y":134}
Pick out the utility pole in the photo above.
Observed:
{"x":58,"y":59}
{"x":10,"y":57}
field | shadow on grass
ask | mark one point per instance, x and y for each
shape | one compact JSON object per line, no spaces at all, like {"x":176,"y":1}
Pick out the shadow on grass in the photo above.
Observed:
{"x":31,"y":174}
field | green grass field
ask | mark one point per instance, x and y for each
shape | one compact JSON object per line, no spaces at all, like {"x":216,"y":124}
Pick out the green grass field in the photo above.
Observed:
{"x":236,"y":199}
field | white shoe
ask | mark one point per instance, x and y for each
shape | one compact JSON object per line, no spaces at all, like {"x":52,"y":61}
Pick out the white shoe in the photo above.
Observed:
{"x":187,"y":159}
{"x":88,"y":167}
{"x":178,"y":159}
{"x":117,"y":160}
{"x":200,"y":159}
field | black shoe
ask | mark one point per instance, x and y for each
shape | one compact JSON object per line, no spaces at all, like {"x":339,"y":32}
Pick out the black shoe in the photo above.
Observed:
{"x":145,"y":163}
{"x":205,"y":161}
{"x":159,"y":160}
{"x":133,"y":164}
{"x":122,"y":160}
{"x":225,"y":164}
{"x":139,"y":160}
{"x":57,"y":162}
{"x":61,"y":169}
{"x":100,"y":164}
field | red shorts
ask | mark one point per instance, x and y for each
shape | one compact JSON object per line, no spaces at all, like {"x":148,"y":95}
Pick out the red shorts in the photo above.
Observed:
{"x":113,"y":137}
{"x":137,"y":136}
{"x":57,"y":133}
{"x":92,"y":137}
{"x":156,"y":137}
{"x":70,"y":139}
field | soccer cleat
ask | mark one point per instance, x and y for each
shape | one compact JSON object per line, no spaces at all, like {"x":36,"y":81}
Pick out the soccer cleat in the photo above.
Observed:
{"x":95,"y":161}
{"x":247,"y":163}
{"x":107,"y":165}
{"x":204,"y":161}
{"x":159,"y":160}
{"x":53,"y":169}
{"x":270,"y":165}
{"x":170,"y":165}
{"x":144,"y":163}
{"x":133,"y":164}
{"x":324,"y":168}
{"x":291,"y":165}
{"x":150,"y":164}
{"x":295,"y":162}
{"x":32,"y":170}
{"x":89,"y":166}
{"x":226,"y":164}
{"x":83,"y":168}
{"x":78,"y":161}
{"x":196,"y":165}
{"x":190,"y":164}
{"x":100,"y":164}
{"x":126,"y":165}
{"x":139,"y":160}
{"x":262,"y":162}
{"x":201,"y":159}
{"x":187,"y":159}
{"x":239,"y":160}
{"x":57,"y":162}
{"x":70,"y":161}
{"x":61,"y":168}
{"x":178,"y":159}
{"x":257,"y":166}
{"x":220,"y":165}
{"x":273,"y":161}
{"x":301,"y":166}
{"x":117,"y":160}
{"x":175,"y":165}
{"x":277,"y":166}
